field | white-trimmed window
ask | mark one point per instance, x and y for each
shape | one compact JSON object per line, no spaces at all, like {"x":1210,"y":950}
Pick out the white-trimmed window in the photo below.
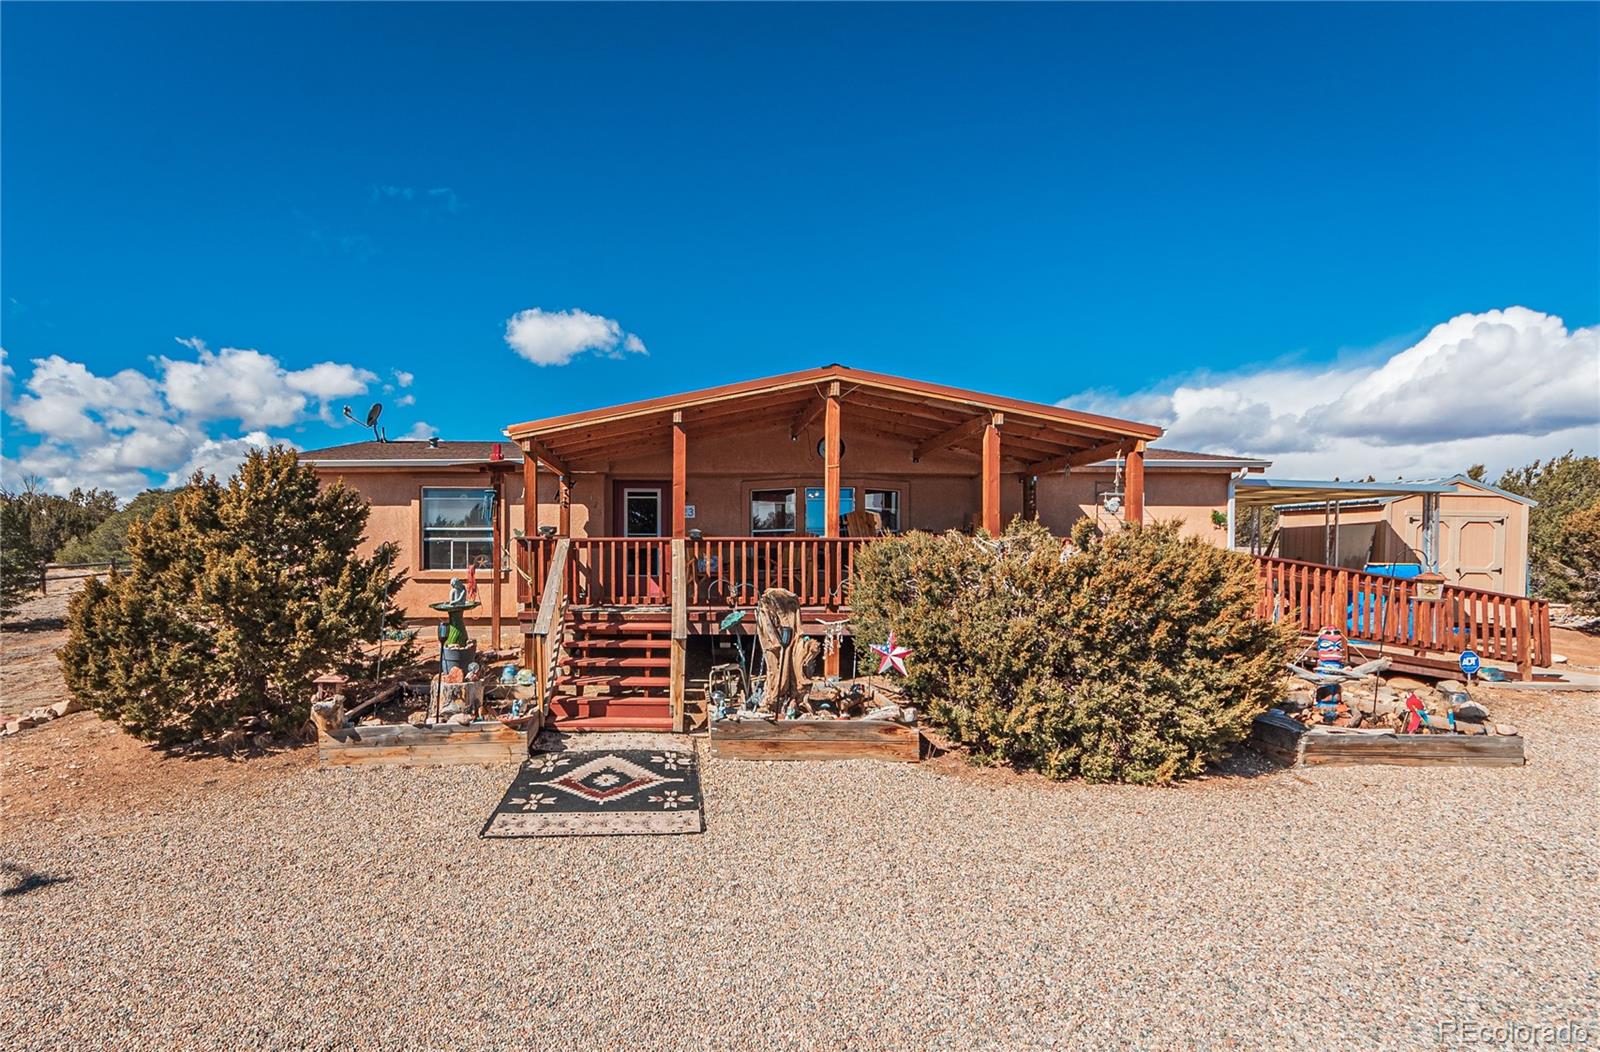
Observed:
{"x":457,"y":527}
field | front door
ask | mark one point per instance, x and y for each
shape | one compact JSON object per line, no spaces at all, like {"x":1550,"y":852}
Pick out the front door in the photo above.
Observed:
{"x":640,"y":513}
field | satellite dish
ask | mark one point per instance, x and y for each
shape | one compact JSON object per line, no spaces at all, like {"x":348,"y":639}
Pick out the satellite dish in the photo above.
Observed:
{"x":372,"y":420}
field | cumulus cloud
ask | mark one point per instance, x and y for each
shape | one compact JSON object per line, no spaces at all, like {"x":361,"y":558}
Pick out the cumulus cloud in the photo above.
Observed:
{"x":129,"y":430}
{"x":219,"y":456}
{"x":420,"y":431}
{"x":1500,"y":388}
{"x":556,"y":337}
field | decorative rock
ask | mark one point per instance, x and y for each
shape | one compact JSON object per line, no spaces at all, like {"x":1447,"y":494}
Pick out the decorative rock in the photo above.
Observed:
{"x":462,"y":718}
{"x":67,"y":708}
{"x":417,"y":719}
{"x":1505,"y":728}
{"x":1472,"y":712}
{"x":12,"y":726}
{"x":42,"y":714}
{"x":371,"y":721}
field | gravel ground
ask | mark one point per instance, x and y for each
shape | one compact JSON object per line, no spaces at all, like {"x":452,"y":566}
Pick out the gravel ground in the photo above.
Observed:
{"x":827,"y":906}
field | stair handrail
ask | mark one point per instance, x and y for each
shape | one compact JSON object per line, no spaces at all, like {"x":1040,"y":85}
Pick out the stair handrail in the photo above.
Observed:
{"x":680,"y":633}
{"x":548,"y":626}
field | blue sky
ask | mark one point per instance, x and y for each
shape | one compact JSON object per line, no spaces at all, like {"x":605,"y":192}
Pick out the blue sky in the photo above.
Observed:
{"x":1204,"y":216}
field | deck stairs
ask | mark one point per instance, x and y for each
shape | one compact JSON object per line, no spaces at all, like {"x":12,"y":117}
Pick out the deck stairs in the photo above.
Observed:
{"x":615,"y":670}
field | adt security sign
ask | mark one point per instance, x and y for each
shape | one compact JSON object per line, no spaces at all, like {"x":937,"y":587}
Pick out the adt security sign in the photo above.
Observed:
{"x":1470,"y":662}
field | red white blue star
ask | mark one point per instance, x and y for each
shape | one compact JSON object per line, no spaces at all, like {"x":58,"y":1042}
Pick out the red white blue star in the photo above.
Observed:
{"x":893,"y":654}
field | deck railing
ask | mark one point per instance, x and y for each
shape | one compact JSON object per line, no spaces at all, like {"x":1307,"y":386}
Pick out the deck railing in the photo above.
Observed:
{"x":1379,"y":609}
{"x":729,"y":571}
{"x":720,"y":571}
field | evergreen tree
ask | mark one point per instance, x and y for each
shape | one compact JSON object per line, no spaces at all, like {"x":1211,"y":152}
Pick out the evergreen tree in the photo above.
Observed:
{"x":108,"y":542}
{"x":1563,"y":486}
{"x":33,"y":524}
{"x":236,"y":598}
{"x":1135,"y":657}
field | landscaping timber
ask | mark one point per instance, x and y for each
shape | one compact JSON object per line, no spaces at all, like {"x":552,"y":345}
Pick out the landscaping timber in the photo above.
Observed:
{"x":1287,"y":739}
{"x":433,"y":745}
{"x":815,"y":740}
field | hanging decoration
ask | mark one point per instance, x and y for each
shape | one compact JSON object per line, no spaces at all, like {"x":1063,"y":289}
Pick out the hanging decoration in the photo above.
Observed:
{"x":833,"y":632}
{"x":893,"y":655}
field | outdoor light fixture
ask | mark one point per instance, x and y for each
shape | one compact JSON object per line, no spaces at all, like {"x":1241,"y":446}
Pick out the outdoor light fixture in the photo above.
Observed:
{"x":822,"y":448}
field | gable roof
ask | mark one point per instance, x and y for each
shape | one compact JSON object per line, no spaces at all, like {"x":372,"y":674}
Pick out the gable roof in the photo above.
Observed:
{"x":913,"y":409}
{"x":1157,"y":457}
{"x":410,"y":453}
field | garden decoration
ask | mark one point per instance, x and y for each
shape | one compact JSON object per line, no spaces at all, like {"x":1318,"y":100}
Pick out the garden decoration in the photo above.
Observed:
{"x":778,"y":629}
{"x":893,"y":655}
{"x":456,"y":649}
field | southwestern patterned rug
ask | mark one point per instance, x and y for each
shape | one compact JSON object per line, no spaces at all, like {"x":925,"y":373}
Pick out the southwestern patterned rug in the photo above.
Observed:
{"x":603,"y":792}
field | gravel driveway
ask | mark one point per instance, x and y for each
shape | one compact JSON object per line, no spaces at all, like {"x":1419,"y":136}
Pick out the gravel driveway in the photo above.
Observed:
{"x":846,"y":905}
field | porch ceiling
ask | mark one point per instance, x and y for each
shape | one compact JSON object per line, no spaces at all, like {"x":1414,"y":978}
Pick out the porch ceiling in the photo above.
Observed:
{"x":927,"y":417}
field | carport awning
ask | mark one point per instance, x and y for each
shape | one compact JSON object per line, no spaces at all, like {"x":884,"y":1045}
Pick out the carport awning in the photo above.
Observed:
{"x":1275,"y":493}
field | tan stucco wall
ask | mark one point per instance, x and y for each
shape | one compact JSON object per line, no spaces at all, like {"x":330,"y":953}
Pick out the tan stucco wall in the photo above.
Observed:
{"x":1188,"y":495}
{"x":395,"y":496}
{"x":1483,"y":537}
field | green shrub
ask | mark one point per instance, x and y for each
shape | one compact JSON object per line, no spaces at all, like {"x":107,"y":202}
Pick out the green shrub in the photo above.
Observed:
{"x":237,"y":597}
{"x":1135,"y":658}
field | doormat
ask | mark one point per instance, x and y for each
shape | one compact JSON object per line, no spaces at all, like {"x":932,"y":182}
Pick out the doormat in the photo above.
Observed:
{"x":611,"y":792}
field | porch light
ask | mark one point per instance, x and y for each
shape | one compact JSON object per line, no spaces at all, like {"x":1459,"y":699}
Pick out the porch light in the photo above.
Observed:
{"x":822,"y":448}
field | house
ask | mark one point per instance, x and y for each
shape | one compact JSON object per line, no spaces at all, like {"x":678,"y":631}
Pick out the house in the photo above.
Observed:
{"x":617,"y":540}
{"x":1481,"y":533}
{"x":753,"y":467}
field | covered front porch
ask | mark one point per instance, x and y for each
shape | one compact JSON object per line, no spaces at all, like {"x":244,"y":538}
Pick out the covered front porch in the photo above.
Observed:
{"x":657,"y":517}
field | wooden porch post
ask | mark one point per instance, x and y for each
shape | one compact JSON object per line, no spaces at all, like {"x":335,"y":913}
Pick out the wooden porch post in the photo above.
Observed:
{"x":830,"y":463}
{"x":1133,"y":499}
{"x":991,"y":475}
{"x":680,"y":477}
{"x":564,"y":495}
{"x":530,"y":496}
{"x":530,"y":529}
{"x":497,"y":534}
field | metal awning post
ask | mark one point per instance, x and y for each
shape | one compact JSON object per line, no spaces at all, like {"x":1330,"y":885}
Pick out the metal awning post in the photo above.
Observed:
{"x":1430,"y":531}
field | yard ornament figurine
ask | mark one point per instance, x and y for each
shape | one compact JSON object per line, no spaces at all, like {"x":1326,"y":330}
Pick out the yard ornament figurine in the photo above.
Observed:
{"x":893,"y":654}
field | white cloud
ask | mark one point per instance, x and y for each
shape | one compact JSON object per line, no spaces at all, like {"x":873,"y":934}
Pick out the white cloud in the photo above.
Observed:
{"x":405,"y":400}
{"x":130,"y":430}
{"x":556,"y":337}
{"x":220,"y":456}
{"x":1499,"y":388}
{"x":420,"y":431}
{"x":402,"y":378}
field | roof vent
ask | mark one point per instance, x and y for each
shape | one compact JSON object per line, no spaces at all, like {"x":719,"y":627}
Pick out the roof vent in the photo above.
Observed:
{"x":433,"y":442}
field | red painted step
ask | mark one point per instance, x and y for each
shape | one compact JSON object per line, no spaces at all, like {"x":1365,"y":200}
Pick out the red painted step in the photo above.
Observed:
{"x":620,"y":644}
{"x":621,"y":662}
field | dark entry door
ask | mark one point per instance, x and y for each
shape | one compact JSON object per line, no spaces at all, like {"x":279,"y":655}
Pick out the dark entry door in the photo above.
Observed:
{"x":641,"y":513}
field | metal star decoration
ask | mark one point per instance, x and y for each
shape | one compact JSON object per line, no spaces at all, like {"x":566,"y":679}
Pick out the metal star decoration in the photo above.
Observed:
{"x":893,"y":654}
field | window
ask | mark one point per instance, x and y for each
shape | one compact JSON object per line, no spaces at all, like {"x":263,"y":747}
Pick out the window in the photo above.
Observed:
{"x":814,"y":505}
{"x":457,"y":527}
{"x":886,"y":502}
{"x":641,"y":513}
{"x":772,"y":511}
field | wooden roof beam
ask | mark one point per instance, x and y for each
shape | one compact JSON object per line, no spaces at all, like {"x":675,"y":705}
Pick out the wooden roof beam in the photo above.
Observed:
{"x":1082,"y":458}
{"x":534,"y":448}
{"x":964,"y":430}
